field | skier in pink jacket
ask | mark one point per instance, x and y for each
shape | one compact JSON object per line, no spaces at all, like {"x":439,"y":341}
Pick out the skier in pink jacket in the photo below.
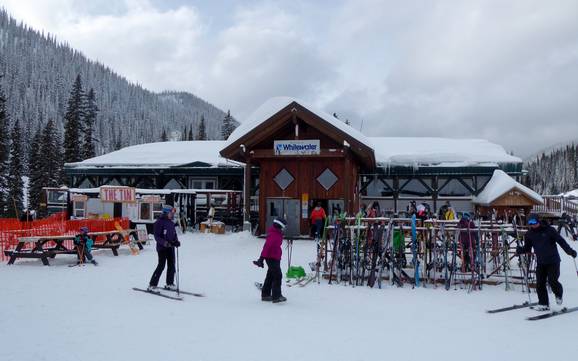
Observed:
{"x":271,"y":254}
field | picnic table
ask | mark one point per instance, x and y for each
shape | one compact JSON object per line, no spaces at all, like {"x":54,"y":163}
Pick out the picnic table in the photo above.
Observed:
{"x":39,"y":249}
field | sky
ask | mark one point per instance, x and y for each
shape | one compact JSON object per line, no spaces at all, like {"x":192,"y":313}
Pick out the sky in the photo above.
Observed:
{"x":506,"y":71}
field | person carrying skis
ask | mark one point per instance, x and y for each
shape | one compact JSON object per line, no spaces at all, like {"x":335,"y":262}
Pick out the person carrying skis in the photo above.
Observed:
{"x":317,"y":219}
{"x":83,"y":245}
{"x":271,"y":254}
{"x":167,"y":241}
{"x":543,"y":239}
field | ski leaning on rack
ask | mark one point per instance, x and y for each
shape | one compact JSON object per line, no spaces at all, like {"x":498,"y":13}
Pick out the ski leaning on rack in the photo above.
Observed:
{"x":552,"y":314}
{"x":158,"y":294}
{"x":514,"y":307}
{"x":185,"y":292}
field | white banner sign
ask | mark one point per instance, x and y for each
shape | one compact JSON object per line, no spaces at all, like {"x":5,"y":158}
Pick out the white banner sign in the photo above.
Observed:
{"x":297,"y":147}
{"x":117,"y":194}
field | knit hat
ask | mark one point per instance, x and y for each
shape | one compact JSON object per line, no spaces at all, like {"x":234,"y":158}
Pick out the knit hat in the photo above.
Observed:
{"x":84,"y":230}
{"x":280,"y":222}
{"x":167,"y":209}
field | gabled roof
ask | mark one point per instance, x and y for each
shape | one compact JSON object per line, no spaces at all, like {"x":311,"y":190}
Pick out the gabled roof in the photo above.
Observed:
{"x":500,"y":184}
{"x":160,"y":155}
{"x":268,"y":115}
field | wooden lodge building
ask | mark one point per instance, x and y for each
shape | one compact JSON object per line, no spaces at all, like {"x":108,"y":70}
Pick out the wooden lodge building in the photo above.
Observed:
{"x":287,"y":156}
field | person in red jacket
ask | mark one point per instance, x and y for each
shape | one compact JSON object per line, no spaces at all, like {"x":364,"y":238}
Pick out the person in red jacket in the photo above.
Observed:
{"x":318,"y":219}
{"x":271,"y":253}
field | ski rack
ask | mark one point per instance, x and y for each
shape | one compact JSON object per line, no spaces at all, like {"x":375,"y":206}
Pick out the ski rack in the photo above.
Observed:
{"x":347,"y":254}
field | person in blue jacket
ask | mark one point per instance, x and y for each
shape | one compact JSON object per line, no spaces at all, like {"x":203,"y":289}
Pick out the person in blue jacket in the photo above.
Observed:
{"x":167,"y":240}
{"x":544,"y":239}
{"x":83,"y":244}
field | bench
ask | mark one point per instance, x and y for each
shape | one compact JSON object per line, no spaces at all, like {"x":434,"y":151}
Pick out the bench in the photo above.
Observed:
{"x":38,"y":249}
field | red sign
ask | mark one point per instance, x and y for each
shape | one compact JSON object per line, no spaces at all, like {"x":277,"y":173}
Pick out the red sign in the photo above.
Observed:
{"x":117,"y":194}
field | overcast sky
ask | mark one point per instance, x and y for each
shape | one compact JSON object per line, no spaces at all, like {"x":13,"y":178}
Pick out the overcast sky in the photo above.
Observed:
{"x":502,"y":70}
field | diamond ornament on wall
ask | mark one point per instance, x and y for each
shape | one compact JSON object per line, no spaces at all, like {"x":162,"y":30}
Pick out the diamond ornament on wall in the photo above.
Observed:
{"x":283,"y":179}
{"x":327,"y":179}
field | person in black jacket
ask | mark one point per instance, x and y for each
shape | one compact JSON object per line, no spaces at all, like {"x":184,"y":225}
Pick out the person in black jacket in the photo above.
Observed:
{"x":543,"y":239}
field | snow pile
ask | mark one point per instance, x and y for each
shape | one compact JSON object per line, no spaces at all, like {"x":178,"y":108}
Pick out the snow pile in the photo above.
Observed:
{"x":160,"y":155}
{"x":91,"y":314}
{"x":274,"y":105}
{"x":500,"y":184}
{"x":427,"y":151}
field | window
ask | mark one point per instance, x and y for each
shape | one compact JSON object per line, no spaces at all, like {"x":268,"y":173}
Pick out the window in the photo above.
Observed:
{"x":327,"y":179}
{"x":145,"y":211}
{"x":79,"y":209}
{"x":283,"y":179}
{"x":59,"y":197}
{"x":200,"y":183}
{"x":157,"y":210}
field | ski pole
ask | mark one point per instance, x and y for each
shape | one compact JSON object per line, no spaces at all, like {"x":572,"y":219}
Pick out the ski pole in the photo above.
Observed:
{"x":575,"y":266}
{"x":178,"y":274}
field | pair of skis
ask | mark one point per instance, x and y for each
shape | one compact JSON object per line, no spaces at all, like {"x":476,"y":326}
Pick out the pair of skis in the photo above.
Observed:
{"x":176,"y":297}
{"x":543,"y":316}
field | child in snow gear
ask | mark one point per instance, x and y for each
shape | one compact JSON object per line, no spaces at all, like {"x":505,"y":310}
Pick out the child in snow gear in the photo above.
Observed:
{"x":271,"y":253}
{"x":83,"y":245}
{"x":543,"y":239}
{"x":167,"y":241}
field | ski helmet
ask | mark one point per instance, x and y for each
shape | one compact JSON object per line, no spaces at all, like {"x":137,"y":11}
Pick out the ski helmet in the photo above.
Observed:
{"x":280,"y":223}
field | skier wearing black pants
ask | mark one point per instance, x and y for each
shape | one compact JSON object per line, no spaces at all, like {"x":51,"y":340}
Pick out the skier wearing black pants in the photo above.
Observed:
{"x":271,"y":254}
{"x":166,"y":238}
{"x":543,"y":239}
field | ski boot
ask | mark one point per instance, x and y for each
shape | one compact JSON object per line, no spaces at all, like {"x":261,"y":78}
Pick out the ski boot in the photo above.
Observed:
{"x":559,"y":301}
{"x":171,"y":287}
{"x":541,"y":308}
{"x":153,"y":289}
{"x":266,"y":298}
{"x":259,"y":262}
{"x":94,"y":262}
{"x":280,"y":299}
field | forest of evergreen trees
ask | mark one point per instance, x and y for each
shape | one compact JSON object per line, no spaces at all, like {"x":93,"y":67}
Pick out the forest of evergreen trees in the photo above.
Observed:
{"x":56,"y":106}
{"x":554,"y":172}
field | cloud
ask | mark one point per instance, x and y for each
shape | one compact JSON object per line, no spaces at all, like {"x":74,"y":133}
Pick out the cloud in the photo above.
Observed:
{"x":505,"y":71}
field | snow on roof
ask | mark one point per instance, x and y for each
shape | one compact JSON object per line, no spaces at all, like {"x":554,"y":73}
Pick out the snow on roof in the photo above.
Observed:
{"x":427,"y":151}
{"x":160,"y":155}
{"x":274,"y":105}
{"x":501,"y":183}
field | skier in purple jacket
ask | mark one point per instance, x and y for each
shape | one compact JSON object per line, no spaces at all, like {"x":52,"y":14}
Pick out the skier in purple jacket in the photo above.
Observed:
{"x":271,"y":253}
{"x":167,"y":240}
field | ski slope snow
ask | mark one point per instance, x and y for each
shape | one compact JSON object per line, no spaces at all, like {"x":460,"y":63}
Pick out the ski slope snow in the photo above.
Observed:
{"x":91,"y":313}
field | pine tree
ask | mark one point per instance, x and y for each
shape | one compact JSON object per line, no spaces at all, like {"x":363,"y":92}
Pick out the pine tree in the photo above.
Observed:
{"x":52,"y":160}
{"x":15,"y":184}
{"x":90,"y":114}
{"x":190,"y":137}
{"x":4,"y":151}
{"x":202,"y":132}
{"x":164,"y":137}
{"x":73,"y":123}
{"x":35,"y":167}
{"x":228,"y":126}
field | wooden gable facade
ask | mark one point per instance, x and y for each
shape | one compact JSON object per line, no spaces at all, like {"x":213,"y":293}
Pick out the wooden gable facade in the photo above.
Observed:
{"x":289,"y":185}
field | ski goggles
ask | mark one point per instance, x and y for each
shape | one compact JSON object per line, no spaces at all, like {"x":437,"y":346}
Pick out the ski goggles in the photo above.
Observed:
{"x":532,"y":221}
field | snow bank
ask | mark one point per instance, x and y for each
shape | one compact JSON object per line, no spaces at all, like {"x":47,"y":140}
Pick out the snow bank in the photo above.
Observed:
{"x":501,"y":183}
{"x":91,"y":314}
{"x":160,"y":155}
{"x":427,"y":151}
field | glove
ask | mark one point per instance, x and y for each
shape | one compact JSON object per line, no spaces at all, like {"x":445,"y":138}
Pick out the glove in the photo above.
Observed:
{"x":573,"y":254}
{"x":177,"y":243}
{"x":518,"y":250}
{"x":259,"y":262}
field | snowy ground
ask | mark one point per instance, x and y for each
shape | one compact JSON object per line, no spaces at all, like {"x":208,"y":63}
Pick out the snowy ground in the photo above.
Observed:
{"x":91,"y":313}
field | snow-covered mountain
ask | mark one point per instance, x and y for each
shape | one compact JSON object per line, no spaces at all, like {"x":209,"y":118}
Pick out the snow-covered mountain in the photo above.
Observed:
{"x":553,"y":171}
{"x":38,"y":73}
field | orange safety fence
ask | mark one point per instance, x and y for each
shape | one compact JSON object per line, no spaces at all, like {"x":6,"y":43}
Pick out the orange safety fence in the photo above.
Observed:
{"x":55,"y":225}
